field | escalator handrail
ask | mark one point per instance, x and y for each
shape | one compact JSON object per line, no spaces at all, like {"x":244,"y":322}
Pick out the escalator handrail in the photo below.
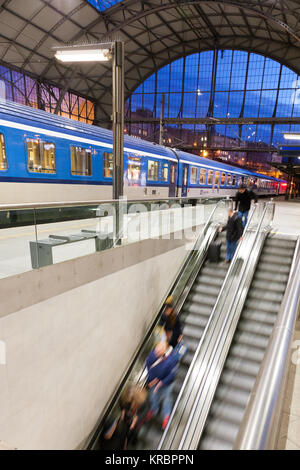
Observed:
{"x":95,"y":433}
{"x":261,"y":423}
{"x":208,"y":329}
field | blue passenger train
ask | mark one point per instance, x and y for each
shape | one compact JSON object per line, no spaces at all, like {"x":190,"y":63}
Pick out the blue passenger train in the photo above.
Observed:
{"x":48,"y":158}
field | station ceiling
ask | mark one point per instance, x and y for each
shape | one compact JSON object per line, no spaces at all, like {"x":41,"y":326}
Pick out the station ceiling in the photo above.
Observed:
{"x":155,"y":32}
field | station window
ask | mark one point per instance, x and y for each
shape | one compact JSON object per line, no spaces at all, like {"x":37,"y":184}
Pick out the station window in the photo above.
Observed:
{"x":108,"y":164}
{"x":210,"y":177}
{"x":233,"y":180}
{"x":202,"y":176}
{"x":228,"y":180}
{"x":81,"y":161}
{"x":193,"y":175}
{"x":217,"y":178}
{"x":223,"y":179}
{"x":41,"y":156}
{"x":152,"y":170}
{"x":165,"y":172}
{"x":134,"y":168}
{"x":3,"y":160}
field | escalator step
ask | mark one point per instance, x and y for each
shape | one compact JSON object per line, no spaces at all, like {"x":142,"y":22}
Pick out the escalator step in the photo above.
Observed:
{"x":234,"y":413}
{"x":266,"y":295}
{"x":252,"y":340}
{"x":278,"y":251}
{"x":212,"y":443}
{"x":195,"y":321}
{"x":197,"y":309}
{"x":203,"y":290}
{"x":193,"y":332}
{"x":266,"y":306}
{"x":214,"y":281}
{"x":243,"y":351}
{"x":276,"y":260}
{"x":237,"y":379}
{"x":242,"y":365}
{"x":230,"y":395}
{"x":280,"y":242}
{"x":271,"y":276}
{"x":222,"y":429}
{"x":202,"y":299}
{"x":192,"y":343}
{"x":270,"y":285}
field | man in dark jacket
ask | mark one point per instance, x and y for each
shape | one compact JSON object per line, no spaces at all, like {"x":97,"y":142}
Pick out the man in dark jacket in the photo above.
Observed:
{"x":243,"y":200}
{"x":234,"y":232}
{"x":162,"y":367}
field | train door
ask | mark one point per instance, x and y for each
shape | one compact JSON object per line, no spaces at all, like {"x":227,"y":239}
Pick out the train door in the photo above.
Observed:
{"x":185,"y":169}
{"x":172,"y":180}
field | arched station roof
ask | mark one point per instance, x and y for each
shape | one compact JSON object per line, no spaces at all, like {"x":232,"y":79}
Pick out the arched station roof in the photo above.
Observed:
{"x":155,"y":32}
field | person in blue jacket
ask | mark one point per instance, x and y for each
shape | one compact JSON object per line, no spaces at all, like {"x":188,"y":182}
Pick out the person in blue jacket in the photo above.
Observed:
{"x":162,"y":368}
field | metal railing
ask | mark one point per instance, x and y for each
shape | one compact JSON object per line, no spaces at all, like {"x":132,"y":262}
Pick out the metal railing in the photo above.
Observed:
{"x":261,"y":423}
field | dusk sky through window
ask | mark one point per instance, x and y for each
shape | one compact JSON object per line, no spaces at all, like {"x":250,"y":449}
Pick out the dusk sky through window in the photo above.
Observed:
{"x":247,"y":85}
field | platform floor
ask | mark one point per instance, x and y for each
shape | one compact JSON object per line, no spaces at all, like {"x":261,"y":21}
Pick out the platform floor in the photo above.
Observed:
{"x":287,"y":217}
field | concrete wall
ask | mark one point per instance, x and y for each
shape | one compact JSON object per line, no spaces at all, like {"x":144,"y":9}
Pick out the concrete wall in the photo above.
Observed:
{"x":70,"y":331}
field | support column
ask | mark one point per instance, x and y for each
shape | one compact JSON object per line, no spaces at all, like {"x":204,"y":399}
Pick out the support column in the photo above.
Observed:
{"x":118,"y":133}
{"x":161,"y":122}
{"x":118,"y":118}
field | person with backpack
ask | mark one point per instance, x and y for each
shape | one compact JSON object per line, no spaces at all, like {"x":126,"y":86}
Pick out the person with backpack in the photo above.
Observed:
{"x":234,"y":231}
{"x":161,"y":366}
{"x":243,"y":200}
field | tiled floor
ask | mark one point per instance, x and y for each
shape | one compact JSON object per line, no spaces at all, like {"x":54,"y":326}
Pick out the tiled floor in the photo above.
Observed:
{"x":290,"y":426}
{"x":287,"y":217}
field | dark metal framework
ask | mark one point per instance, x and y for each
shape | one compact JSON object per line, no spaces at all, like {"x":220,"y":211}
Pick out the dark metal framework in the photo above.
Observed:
{"x":156,"y":32}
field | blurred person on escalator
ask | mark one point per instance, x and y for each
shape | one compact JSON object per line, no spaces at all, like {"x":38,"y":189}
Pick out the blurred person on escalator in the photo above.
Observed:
{"x":161,"y":366}
{"x":171,"y":323}
{"x":234,"y":232}
{"x":243,"y":200}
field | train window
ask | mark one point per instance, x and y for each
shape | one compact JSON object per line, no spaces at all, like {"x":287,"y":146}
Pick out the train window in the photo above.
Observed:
{"x":233,"y":180}
{"x":193,"y":175}
{"x":202,"y":176}
{"x":228,"y":180}
{"x":217,"y":178}
{"x":134,"y":168}
{"x":108,"y":165}
{"x":223,"y":178}
{"x":3,"y":161}
{"x":152,"y":170}
{"x":81,"y":161}
{"x":173,"y":173}
{"x":165,"y":172}
{"x":41,"y":156}
{"x":210,"y":177}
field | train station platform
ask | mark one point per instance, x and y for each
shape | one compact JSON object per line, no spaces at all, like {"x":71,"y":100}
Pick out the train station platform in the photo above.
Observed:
{"x":76,"y":329}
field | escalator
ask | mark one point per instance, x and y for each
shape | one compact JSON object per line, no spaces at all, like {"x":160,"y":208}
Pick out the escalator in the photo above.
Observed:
{"x":194,"y":315}
{"x":249,"y":344}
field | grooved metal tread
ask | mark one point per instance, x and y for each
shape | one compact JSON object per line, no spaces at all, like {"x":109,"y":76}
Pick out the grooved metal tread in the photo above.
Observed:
{"x":249,"y":344}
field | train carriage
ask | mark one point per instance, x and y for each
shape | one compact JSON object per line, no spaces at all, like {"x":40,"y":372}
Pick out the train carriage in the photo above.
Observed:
{"x":48,"y":158}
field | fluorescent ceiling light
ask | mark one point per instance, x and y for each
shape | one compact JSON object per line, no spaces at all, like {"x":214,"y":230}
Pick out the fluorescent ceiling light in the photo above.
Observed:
{"x":83,"y":55}
{"x":291,"y":136}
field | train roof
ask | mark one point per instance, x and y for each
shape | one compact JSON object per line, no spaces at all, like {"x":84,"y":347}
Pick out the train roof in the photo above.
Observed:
{"x":200,"y":161}
{"x":15,"y":111}
{"x":45,"y":119}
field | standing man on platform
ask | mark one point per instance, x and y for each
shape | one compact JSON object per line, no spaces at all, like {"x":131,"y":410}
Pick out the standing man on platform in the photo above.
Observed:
{"x":243,"y":200}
